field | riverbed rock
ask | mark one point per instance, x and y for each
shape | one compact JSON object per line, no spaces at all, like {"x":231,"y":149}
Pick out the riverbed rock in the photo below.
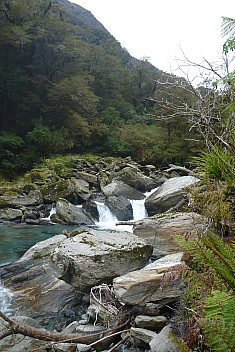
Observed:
{"x":10,"y":214}
{"x":94,"y":257}
{"x":37,"y":292}
{"x":148,"y":284}
{"x":164,"y":341}
{"x":119,"y":188}
{"x":16,"y":201}
{"x":161,"y":230}
{"x":120,"y":207}
{"x":67,"y":213}
{"x":151,"y":323}
{"x":74,"y":190}
{"x":141,"y":335}
{"x":169,"y":194}
{"x":90,"y":178}
{"x":133,"y":177}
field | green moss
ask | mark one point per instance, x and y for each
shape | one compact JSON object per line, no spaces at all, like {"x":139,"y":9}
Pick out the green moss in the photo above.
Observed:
{"x":3,"y":203}
{"x":86,"y":241}
{"x":38,"y":255}
{"x":54,"y":190}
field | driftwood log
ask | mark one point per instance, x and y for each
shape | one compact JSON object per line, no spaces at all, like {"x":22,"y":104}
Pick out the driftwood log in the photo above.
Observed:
{"x":92,"y":340}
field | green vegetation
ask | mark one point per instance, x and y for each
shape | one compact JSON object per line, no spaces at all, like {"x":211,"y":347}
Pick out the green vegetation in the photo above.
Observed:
{"x":67,"y":86}
{"x":209,"y":300}
{"x":208,"y":303}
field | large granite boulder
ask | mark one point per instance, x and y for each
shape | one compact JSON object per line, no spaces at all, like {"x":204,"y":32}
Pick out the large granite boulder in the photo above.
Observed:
{"x":148,"y":284}
{"x":93,"y":257}
{"x":169,"y":194}
{"x":133,"y":177}
{"x":67,"y":213}
{"x":119,"y":188}
{"x":48,"y":281}
{"x":161,"y":230}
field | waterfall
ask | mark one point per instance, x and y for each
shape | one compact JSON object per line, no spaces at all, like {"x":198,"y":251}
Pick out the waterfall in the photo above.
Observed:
{"x":52,"y":211}
{"x":5,"y":300}
{"x":139,"y":211}
{"x":107,"y":220}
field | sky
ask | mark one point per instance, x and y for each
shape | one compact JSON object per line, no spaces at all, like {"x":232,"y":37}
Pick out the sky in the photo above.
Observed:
{"x":162,"y":30}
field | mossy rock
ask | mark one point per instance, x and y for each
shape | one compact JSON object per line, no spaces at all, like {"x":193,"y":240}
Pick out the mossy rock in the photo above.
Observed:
{"x":40,"y":176}
{"x":52,"y":191}
{"x":60,"y":189}
{"x":4,"y":203}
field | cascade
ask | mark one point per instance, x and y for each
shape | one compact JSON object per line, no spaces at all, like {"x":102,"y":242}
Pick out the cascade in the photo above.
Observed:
{"x":107,"y":220}
{"x":139,"y":211}
{"x":52,"y":211}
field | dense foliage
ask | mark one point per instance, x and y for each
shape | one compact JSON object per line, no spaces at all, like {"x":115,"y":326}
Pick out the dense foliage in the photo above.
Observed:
{"x":66,"y":85}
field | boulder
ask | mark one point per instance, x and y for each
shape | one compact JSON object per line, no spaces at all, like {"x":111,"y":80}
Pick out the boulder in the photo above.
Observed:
{"x":164,"y":341}
{"x":67,"y":213}
{"x":141,"y":335}
{"x":120,"y":207}
{"x":119,"y":188}
{"x":90,"y":178}
{"x":16,"y":201}
{"x":148,"y":284}
{"x":133,"y":177}
{"x":90,"y":207}
{"x":93,"y":257}
{"x":36,"y":291}
{"x":169,"y":194}
{"x":73,"y":190}
{"x":161,"y":230}
{"x":151,"y":323}
{"x":10,"y":214}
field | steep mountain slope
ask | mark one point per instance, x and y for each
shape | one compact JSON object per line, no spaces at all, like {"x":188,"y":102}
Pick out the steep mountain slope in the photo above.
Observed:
{"x":66,"y":84}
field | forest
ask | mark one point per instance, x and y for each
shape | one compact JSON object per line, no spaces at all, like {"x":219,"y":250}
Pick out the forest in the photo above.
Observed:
{"x":67,"y":86}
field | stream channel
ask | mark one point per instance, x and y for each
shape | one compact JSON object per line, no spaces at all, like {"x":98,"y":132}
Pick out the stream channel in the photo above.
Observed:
{"x":16,"y":239}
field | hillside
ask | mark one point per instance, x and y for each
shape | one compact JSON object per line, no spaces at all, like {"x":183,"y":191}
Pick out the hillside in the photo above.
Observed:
{"x":67,"y":85}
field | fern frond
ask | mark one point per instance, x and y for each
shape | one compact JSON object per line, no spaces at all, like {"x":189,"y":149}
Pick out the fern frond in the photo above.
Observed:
{"x":219,"y":321}
{"x":211,"y":252}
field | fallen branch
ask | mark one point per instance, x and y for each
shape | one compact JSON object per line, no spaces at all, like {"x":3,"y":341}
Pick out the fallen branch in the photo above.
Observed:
{"x":15,"y":327}
{"x":180,"y":168}
{"x":125,"y":223}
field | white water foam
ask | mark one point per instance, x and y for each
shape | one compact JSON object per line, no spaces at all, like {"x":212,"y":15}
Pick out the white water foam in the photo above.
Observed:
{"x":139,"y":211}
{"x":5,"y":300}
{"x":107,"y":220}
{"x":52,"y":211}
